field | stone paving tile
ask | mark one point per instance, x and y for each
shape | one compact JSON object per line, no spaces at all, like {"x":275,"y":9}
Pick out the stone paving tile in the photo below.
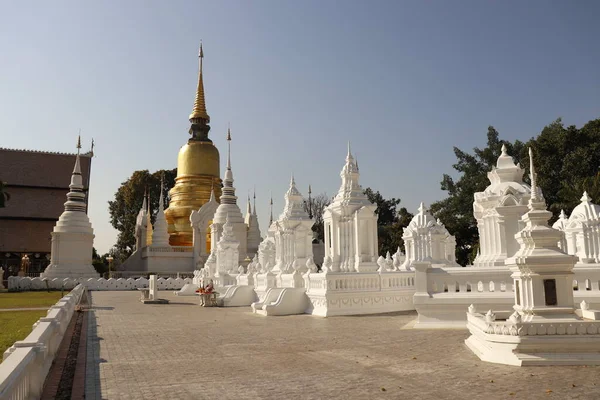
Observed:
{"x":183,"y":351}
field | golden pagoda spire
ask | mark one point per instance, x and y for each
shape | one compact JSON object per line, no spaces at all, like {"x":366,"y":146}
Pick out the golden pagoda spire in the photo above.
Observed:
{"x":199,"y":112}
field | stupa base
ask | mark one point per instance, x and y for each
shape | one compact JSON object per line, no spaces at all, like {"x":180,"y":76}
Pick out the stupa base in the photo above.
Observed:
{"x":565,"y":341}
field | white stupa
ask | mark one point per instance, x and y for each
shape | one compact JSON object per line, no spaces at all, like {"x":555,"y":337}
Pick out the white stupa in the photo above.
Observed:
{"x":73,"y":236}
{"x":229,"y":210}
{"x":350,"y":225}
{"x":251,"y":221}
{"x":160,"y":235}
{"x":140,"y":225}
{"x":544,"y":328}
{"x":427,"y":239}
{"x":148,"y":224}
{"x":582,"y":231}
{"x":292,"y":233}
{"x":498,"y":211}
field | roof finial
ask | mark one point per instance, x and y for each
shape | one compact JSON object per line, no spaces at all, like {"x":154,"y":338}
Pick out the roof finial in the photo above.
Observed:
{"x":201,"y":55}
{"x":228,"y":147}
{"x":292,"y":181}
{"x":77,"y":167}
{"x":533,"y":176}
{"x":585,"y":198}
{"x":254,"y":198}
{"x":422,"y":207}
{"x":504,"y":153}
{"x":161,"y":203}
{"x":562,"y":214}
{"x":144,"y":206}
{"x":92,"y":149}
{"x":271,"y":208}
{"x":199,"y":110}
{"x":349,"y":151}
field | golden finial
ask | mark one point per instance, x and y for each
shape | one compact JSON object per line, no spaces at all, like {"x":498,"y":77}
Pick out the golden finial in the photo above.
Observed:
{"x":199,"y":111}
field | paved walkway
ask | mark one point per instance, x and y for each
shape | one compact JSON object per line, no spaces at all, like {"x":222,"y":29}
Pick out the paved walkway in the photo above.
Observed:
{"x":183,"y":351}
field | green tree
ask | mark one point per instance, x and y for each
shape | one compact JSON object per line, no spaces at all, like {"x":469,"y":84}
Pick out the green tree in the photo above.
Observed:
{"x":390,"y":223}
{"x":315,"y":208}
{"x":99,"y":262}
{"x":571,"y":192}
{"x":456,"y":211}
{"x":128,"y":201}
{"x":4,"y":195}
{"x":567,"y":161}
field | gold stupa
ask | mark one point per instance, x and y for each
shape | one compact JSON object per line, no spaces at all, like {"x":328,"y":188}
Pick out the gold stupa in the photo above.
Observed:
{"x":197,"y":172}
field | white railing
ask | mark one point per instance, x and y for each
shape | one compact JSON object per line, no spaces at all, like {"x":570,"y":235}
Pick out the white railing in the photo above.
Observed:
{"x":20,"y":375}
{"x":293,"y":280}
{"x":316,"y":282}
{"x":354,"y":282}
{"x":139,"y":274}
{"x":20,"y":283}
{"x":360,"y":282}
{"x":397,"y":280}
{"x":27,"y":362}
{"x":468,"y":280}
{"x":170,"y":249}
{"x":265,"y":281}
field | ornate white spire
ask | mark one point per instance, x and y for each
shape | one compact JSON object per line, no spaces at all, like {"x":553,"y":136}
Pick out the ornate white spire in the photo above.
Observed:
{"x":148,"y":223}
{"x":271,"y":209}
{"x":537,"y":199}
{"x":294,"y":203}
{"x":160,"y":237}
{"x":144,"y":204}
{"x":228,"y":196}
{"x":229,"y":209}
{"x":251,"y":220}
{"x":76,"y":196}
{"x":72,"y":236}
{"x":248,"y":207}
{"x":350,"y":191}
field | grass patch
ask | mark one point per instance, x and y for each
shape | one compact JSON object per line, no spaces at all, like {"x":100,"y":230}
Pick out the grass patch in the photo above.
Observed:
{"x":29,"y":299}
{"x":16,"y":325}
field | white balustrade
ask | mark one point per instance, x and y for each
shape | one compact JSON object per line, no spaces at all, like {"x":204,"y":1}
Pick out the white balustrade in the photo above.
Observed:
{"x":170,"y":283}
{"x":27,"y":362}
{"x":468,"y":280}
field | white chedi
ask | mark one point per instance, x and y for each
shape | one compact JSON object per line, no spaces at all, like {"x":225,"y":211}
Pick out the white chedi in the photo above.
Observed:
{"x":227,"y":253}
{"x":427,"y":239}
{"x":251,"y":220}
{"x":498,"y":211}
{"x":582,"y":231}
{"x":73,"y":236}
{"x":292,"y":233}
{"x":199,"y":220}
{"x":228,"y":209}
{"x":141,"y":226}
{"x":160,"y":235}
{"x":350,"y":225}
{"x":267,"y":249}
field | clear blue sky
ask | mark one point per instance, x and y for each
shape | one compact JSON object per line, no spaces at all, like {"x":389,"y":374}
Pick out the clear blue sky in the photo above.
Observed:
{"x":404,"y":81}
